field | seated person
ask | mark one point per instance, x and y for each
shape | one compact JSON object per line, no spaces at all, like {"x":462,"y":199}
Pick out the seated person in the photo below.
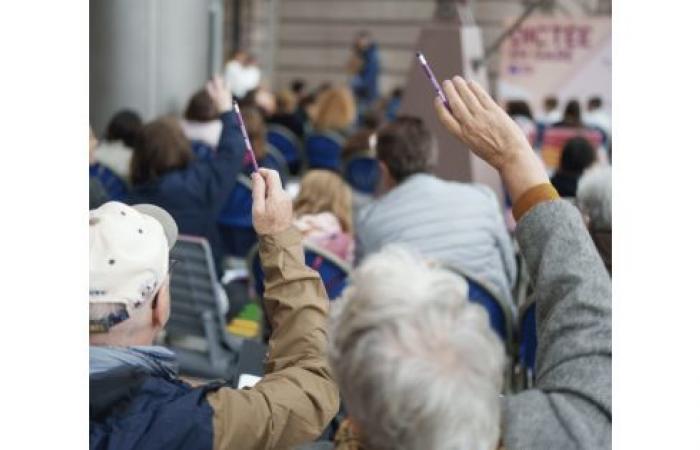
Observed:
{"x":334,"y":111}
{"x":105,"y":184}
{"x":576,"y":157}
{"x":165,"y":172}
{"x":420,"y":368}
{"x":136,"y":398}
{"x":323,"y":211}
{"x":201,"y":122}
{"x":454,"y":223}
{"x":285,"y":114}
{"x":115,"y":150}
{"x":594,"y":198}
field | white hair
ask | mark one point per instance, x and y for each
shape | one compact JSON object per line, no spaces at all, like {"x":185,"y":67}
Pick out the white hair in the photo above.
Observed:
{"x":594,"y":196}
{"x":417,"y":364}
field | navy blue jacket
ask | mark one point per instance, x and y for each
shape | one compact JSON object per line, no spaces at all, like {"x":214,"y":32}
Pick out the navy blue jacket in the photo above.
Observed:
{"x":130,"y":409}
{"x":195,"y":196}
{"x":367,"y":81}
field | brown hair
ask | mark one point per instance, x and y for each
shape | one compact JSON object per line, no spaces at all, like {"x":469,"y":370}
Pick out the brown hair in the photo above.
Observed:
{"x":257,"y":130}
{"x":334,"y":109}
{"x":201,"y":107}
{"x":325,"y":191}
{"x":162,"y":148}
{"x":286,"y":101}
{"x":406,"y":147}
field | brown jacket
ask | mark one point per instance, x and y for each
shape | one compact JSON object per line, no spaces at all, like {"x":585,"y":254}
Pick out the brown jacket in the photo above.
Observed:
{"x":297,"y":397}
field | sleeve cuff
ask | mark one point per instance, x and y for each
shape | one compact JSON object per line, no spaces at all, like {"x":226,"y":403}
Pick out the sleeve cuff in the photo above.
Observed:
{"x":286,"y":238}
{"x":535,"y":195}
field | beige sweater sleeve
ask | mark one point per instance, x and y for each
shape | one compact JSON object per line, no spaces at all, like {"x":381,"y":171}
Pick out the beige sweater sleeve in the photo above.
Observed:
{"x":297,"y":397}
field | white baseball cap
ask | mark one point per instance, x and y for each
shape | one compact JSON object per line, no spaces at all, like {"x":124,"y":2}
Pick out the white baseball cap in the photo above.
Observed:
{"x":129,"y":247}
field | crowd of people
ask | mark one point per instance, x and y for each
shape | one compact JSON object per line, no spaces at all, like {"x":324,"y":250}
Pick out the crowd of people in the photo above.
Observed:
{"x":413,"y":363}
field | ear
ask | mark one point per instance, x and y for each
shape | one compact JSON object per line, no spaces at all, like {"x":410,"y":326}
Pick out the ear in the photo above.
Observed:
{"x":161,"y":306}
{"x":387,"y":181}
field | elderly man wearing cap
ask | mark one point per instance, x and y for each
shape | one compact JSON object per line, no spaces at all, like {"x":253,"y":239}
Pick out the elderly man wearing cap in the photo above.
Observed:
{"x":136,"y":400}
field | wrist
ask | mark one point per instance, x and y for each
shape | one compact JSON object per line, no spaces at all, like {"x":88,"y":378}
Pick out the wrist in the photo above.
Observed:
{"x":522,"y":172}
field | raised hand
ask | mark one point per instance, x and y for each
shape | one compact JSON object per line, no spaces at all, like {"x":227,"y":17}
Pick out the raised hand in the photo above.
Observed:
{"x":219,"y":94}
{"x":272,"y":206}
{"x":487,"y":130}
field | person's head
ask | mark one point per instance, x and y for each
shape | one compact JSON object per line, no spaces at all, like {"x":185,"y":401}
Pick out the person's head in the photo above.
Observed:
{"x":325,"y":191}
{"x":298,"y":87}
{"x":595,"y":103}
{"x":572,"y":113}
{"x":201,"y":108}
{"x":404,"y":148}
{"x":257,"y":130}
{"x":334,"y":109}
{"x":129,"y":263}
{"x":371,"y":119}
{"x":594,"y":197}
{"x":363,"y":39}
{"x":162,"y":148}
{"x":550,"y":104}
{"x":125,"y":126}
{"x":358,"y":143}
{"x":286,"y":101}
{"x":578,"y":155}
{"x":519,"y":108}
{"x":418,"y":365}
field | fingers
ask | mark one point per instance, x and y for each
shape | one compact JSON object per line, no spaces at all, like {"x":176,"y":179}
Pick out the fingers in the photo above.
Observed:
{"x":459,"y":109}
{"x":484,"y":98}
{"x":447,"y":120}
{"x":272,"y":179}
{"x":258,"y":193}
{"x":467,"y":95}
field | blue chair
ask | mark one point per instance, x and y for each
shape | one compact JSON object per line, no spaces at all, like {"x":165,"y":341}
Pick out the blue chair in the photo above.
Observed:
{"x":362,"y":173}
{"x":498,"y":309}
{"x":324,"y":150}
{"x":288,"y":145}
{"x":527,"y":348}
{"x":236,"y":220}
{"x":115,"y":187}
{"x":333,"y":271}
{"x":274,"y":159}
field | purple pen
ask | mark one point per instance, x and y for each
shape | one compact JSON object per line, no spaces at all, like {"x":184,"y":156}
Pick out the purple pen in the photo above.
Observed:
{"x":433,"y":80}
{"x":245,"y":135}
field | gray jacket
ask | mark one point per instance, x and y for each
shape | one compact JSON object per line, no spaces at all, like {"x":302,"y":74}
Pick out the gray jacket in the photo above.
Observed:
{"x":570,"y":406}
{"x":421,"y":213}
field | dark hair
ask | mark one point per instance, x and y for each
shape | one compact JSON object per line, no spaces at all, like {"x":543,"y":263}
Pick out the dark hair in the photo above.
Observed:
{"x":201,"y":108}
{"x":518,"y":108}
{"x":407,"y":147}
{"x":577,"y":156}
{"x":125,"y":126}
{"x":162,"y":148}
{"x":371,"y":119}
{"x":397,"y":92}
{"x":595,"y":102}
{"x":572,"y":113}
{"x":551,"y":102}
{"x":297,"y":86}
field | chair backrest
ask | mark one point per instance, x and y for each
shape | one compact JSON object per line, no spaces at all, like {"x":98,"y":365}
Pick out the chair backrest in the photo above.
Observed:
{"x":192,"y":287}
{"x":362,"y":173}
{"x":324,"y":150}
{"x":236,"y":219}
{"x":499,"y":310}
{"x":333,"y":271}
{"x":289,"y":145}
{"x":554,"y":139}
{"x":114,"y":186}
{"x":527,"y":330}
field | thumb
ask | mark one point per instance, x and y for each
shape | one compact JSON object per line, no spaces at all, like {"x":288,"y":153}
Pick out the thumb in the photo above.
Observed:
{"x":258,"y":193}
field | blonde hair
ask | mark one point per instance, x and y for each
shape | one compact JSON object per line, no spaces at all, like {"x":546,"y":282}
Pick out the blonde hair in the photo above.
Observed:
{"x":286,"y":101}
{"x":334,"y":109}
{"x":324,"y":191}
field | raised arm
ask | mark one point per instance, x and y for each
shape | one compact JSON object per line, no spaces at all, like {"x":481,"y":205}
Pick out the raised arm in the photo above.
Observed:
{"x":570,"y":406}
{"x":297,"y":398}
{"x":219,"y":173}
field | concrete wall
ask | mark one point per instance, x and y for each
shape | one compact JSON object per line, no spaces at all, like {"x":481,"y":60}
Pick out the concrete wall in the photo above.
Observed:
{"x":147,"y":55}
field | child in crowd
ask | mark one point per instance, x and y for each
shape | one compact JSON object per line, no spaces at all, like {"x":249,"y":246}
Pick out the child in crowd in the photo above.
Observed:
{"x":323,"y":211}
